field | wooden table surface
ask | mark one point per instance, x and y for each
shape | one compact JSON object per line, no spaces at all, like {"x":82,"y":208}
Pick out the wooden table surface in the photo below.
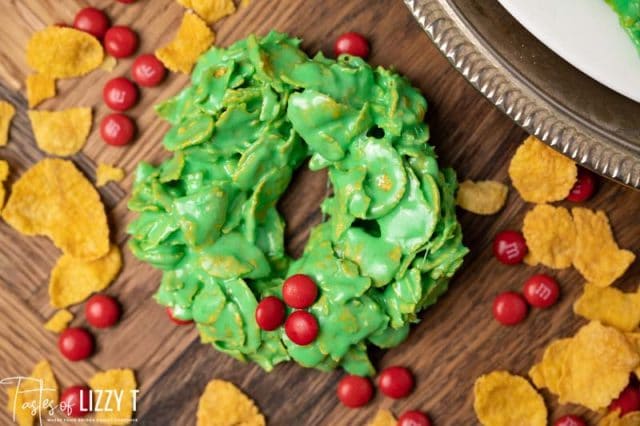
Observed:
{"x":457,"y":339}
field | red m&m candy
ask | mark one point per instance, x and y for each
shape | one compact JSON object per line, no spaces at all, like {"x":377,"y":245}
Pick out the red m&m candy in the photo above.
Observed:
{"x":120,"y":41}
{"x":117,"y":129}
{"x":414,"y":418}
{"x":299,"y":291}
{"x":584,"y":187}
{"x":102,"y":311}
{"x":395,"y":382}
{"x":270,"y":313}
{"x":301,"y":327}
{"x":509,"y":308}
{"x":354,"y":391}
{"x":74,"y":401}
{"x":509,"y":247}
{"x":627,"y":401}
{"x":75,"y":343}
{"x":353,"y":44}
{"x":92,"y":21}
{"x":175,"y":320}
{"x":541,"y":291}
{"x":148,"y":71}
{"x":120,"y":94}
{"x":570,"y":420}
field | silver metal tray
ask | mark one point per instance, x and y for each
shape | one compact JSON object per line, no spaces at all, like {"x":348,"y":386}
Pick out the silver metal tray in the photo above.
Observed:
{"x":541,"y":92}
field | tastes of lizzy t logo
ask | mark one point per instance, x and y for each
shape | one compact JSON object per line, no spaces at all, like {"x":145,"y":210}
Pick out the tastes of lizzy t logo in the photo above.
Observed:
{"x":30,"y":397}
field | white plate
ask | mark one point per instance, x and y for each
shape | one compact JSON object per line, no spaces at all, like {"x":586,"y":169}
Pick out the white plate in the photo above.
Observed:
{"x":585,"y":33}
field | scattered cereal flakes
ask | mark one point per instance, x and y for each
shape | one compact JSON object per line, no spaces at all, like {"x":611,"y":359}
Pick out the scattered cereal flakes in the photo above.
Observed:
{"x":106,"y":173}
{"x":634,"y":339}
{"x":39,"y":88}
{"x":109,"y":63}
{"x":502,"y":399}
{"x":63,"y":132}
{"x":193,"y":38}
{"x":551,"y":236}
{"x":547,"y":373}
{"x":384,"y":418}
{"x":597,"y":255}
{"x":597,"y":366}
{"x":610,"y":306}
{"x":4,"y":174}
{"x":222,"y":403}
{"x":63,"y":52}
{"x":7,"y":111}
{"x":540,"y":174}
{"x":73,"y":280}
{"x":53,"y":198}
{"x":210,"y":10}
{"x":59,"y":321}
{"x":20,"y":403}
{"x":482,"y":197}
{"x":614,"y":419}
{"x":123,"y":382}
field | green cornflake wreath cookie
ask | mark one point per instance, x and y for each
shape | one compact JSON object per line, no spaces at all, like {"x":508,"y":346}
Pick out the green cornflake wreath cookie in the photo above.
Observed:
{"x":208,"y":214}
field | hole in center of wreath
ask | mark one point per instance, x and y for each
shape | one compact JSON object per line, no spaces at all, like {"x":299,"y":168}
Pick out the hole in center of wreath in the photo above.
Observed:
{"x":300,"y":207}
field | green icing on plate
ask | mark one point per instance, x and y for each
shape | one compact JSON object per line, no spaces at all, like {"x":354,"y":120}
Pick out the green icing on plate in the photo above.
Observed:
{"x":207,"y":215}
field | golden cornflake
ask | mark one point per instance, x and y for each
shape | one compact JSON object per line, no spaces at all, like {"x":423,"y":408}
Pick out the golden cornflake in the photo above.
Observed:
{"x":541,"y":174}
{"x":210,"y":10}
{"x":502,"y":399}
{"x":26,"y":401}
{"x":121,"y":382}
{"x":73,"y":280}
{"x":59,"y":321}
{"x":551,"y":236}
{"x":39,"y":88}
{"x":224,"y":404}
{"x":7,"y":111}
{"x":614,"y":419}
{"x":62,"y":52}
{"x":53,"y":198}
{"x":63,"y":132}
{"x":482,"y":197}
{"x":109,"y":63}
{"x":106,"y":173}
{"x":384,"y":418}
{"x":193,"y":38}
{"x":547,"y":373}
{"x":597,"y":255}
{"x":610,"y":306}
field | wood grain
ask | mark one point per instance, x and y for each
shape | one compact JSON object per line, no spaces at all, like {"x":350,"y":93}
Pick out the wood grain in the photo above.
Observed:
{"x":457,"y":339}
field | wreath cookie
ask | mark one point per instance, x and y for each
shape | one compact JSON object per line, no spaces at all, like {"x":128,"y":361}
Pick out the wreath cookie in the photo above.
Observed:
{"x":208,"y":218}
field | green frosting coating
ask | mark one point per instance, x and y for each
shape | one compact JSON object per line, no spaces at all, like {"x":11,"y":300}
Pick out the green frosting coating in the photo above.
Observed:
{"x":629,"y":13}
{"x":208,"y":218}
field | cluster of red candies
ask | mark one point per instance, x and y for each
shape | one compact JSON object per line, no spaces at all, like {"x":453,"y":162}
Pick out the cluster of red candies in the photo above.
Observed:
{"x":395,"y":382}
{"x":120,"y":94}
{"x":77,"y":343}
{"x":301,"y":327}
{"x":541,"y":290}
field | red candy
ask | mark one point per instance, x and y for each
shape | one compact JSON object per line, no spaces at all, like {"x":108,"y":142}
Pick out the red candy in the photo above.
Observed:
{"x":584,"y":187}
{"x":627,"y":401}
{"x":301,"y":327}
{"x":541,"y":291}
{"x":351,"y":44}
{"x":120,"y":94}
{"x":570,"y":420}
{"x":509,"y":308}
{"x":117,"y":129}
{"x":74,"y":401}
{"x":270,"y":313}
{"x":354,"y":391}
{"x":299,"y":291}
{"x":102,"y":311}
{"x":395,"y":382}
{"x":414,"y":418}
{"x":509,"y":247}
{"x":148,"y":71}
{"x":92,"y":21}
{"x":175,"y":320}
{"x":75,"y":343}
{"x":120,"y":41}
